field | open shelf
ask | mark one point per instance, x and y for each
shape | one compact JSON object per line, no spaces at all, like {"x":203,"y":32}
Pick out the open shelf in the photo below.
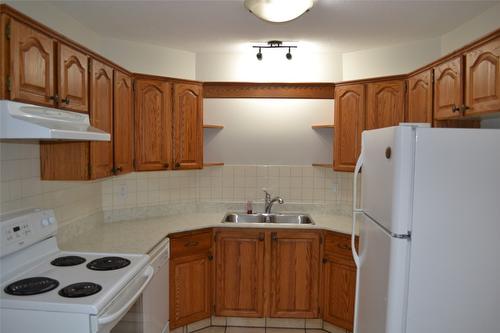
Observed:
{"x":213,"y":164}
{"x":323,"y":126}
{"x":213,"y":126}
{"x":322,"y":165}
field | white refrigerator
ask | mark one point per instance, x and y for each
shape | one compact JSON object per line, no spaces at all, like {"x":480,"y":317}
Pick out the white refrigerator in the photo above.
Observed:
{"x":429,"y":227}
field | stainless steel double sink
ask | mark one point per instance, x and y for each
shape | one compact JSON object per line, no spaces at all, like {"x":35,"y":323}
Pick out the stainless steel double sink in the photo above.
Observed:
{"x":288,"y":218}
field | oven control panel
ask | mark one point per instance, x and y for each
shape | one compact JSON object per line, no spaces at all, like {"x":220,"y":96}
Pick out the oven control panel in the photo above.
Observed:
{"x":25,"y":228}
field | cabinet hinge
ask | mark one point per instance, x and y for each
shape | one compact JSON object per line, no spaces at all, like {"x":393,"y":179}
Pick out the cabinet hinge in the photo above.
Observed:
{"x":9,"y":84}
{"x":7,"y":31}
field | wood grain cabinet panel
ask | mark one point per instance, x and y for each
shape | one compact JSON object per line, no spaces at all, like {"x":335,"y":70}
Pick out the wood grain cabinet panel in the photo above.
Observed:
{"x":420,"y":97}
{"x":32,"y":65}
{"x":188,"y":126}
{"x":385,"y":103}
{"x":73,"y":79}
{"x":295,"y":274}
{"x":339,"y":293}
{"x":349,"y":123}
{"x":189,"y":289}
{"x":482,"y":84}
{"x":123,"y":116}
{"x":101,"y":116}
{"x":448,"y":86}
{"x":239,"y":277}
{"x":153,"y":125}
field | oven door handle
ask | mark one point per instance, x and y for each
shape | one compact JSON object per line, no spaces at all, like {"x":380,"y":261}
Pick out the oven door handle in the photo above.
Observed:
{"x":108,"y":318}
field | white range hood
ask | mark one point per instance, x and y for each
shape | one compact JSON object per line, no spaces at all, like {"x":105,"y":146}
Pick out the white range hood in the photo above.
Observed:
{"x":26,"y":121}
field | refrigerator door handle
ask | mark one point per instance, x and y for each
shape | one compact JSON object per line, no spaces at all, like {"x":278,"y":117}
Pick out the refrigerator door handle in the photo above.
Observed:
{"x":355,"y":209}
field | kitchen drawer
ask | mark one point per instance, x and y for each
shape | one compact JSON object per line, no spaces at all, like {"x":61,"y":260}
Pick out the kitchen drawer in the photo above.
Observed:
{"x":185,"y":244}
{"x":339,"y":246}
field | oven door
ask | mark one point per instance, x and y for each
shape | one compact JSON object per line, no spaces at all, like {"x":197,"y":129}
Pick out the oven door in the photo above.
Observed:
{"x":123,"y":303}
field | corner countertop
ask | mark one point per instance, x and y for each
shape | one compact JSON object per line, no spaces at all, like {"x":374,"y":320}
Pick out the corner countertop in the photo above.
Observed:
{"x":141,"y":236}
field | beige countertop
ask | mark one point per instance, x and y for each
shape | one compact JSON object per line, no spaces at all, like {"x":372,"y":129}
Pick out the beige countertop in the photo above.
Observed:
{"x":141,"y":236}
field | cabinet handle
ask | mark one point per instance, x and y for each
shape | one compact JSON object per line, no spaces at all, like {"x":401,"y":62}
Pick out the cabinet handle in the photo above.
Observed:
{"x":325,"y":260}
{"x":261,"y":237}
{"x":54,"y":98}
{"x":116,"y":170}
{"x":455,"y":108}
{"x":274,"y":236}
{"x":191,"y":244}
{"x":464,"y":108}
{"x":177,"y":165}
{"x":210,"y":257}
{"x":65,"y":100}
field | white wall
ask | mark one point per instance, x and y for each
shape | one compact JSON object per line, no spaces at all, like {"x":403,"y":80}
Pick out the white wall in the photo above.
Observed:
{"x":134,"y":56}
{"x":268,"y":131}
{"x":471,"y":30}
{"x":390,"y":60}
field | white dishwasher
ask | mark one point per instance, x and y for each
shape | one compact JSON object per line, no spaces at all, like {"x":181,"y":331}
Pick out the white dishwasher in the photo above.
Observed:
{"x":150,"y":313}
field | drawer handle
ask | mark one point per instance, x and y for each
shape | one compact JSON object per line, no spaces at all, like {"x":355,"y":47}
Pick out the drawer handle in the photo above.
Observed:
{"x":191,"y":244}
{"x":344,"y":246}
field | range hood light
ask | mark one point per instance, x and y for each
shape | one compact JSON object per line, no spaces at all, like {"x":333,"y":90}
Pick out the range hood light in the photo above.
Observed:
{"x":278,"y":10}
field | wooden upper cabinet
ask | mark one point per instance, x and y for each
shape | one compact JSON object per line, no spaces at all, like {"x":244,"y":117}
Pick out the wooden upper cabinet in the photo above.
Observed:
{"x":295,"y":274}
{"x":188,"y":126}
{"x":32,"y":65}
{"x":73,"y":79}
{"x":385,"y":104}
{"x":123,"y":131}
{"x":153,"y":125}
{"x":420,"y":97}
{"x":349,"y":123}
{"x":239,"y":277}
{"x":482,"y":84}
{"x":101,"y":117}
{"x":448,"y":89}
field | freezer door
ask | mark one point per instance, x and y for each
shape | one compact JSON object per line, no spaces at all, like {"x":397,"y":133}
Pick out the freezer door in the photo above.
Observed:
{"x":382,"y":280}
{"x":387,"y":176}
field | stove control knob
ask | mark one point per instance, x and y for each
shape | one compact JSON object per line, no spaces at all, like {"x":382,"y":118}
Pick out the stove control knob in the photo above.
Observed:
{"x":45,"y":222}
{"x":52,"y":220}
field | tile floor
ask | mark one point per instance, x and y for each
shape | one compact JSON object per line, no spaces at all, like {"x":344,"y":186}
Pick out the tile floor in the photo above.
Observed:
{"x":233,"y":329}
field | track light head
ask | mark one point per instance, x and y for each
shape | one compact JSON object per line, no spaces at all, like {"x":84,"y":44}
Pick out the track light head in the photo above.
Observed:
{"x":289,"y":55}
{"x":259,"y":55}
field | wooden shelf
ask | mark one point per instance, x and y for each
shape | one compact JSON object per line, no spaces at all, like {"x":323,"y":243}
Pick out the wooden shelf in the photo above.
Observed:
{"x":213,"y":164}
{"x":213,"y":126}
{"x":323,"y":126}
{"x":322,"y":165}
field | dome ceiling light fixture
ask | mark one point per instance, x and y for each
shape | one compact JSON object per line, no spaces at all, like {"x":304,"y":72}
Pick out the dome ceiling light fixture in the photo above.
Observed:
{"x":274,"y":44}
{"x":278,"y":11}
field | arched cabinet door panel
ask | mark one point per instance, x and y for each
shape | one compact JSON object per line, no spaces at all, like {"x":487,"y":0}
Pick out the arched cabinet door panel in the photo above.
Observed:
{"x":123,"y":119}
{"x":188,"y":126}
{"x":73,"y":79}
{"x":448,"y":84}
{"x":385,"y":104}
{"x":420,"y":97}
{"x":32,"y":66}
{"x":482,"y":87}
{"x":153,"y":125}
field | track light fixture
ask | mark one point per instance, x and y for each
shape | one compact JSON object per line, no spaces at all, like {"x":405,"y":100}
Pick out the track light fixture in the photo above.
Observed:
{"x":275,"y":44}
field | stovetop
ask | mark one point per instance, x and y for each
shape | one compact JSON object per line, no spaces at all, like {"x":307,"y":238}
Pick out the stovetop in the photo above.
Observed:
{"x":73,"y":282}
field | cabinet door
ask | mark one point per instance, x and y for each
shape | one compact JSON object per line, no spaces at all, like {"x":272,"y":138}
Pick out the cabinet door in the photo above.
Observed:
{"x":101,"y":116}
{"x":153,"y":125}
{"x":189,"y":289}
{"x":123,"y":116}
{"x":385,"y":104}
{"x":294,"y":274}
{"x":339,"y":293}
{"x":420,"y":97}
{"x":448,"y":85}
{"x":239,"y":277}
{"x":73,"y":79}
{"x":32,"y":66}
{"x":349,"y":123}
{"x":482,"y":84}
{"x":188,"y":126}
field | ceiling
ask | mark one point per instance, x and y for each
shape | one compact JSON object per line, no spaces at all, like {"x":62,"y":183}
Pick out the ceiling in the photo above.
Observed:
{"x":222,"y":26}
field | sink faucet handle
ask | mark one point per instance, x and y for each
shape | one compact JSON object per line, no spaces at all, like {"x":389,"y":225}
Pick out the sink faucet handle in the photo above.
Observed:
{"x":268,"y":195}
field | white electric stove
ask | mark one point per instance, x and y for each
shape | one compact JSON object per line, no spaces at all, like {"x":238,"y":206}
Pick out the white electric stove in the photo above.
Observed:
{"x":46,"y":290}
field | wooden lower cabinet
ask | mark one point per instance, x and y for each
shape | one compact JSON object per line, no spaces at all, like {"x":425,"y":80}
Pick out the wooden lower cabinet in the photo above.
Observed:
{"x":239,"y":273}
{"x":338,"y":281}
{"x":190,"y":277}
{"x":295,"y":263}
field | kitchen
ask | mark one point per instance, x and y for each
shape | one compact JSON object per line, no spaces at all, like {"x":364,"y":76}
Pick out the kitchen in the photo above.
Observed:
{"x":200,"y":125}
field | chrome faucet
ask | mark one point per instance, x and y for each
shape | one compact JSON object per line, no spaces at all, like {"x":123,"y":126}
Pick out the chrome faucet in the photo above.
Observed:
{"x":268,"y":202}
